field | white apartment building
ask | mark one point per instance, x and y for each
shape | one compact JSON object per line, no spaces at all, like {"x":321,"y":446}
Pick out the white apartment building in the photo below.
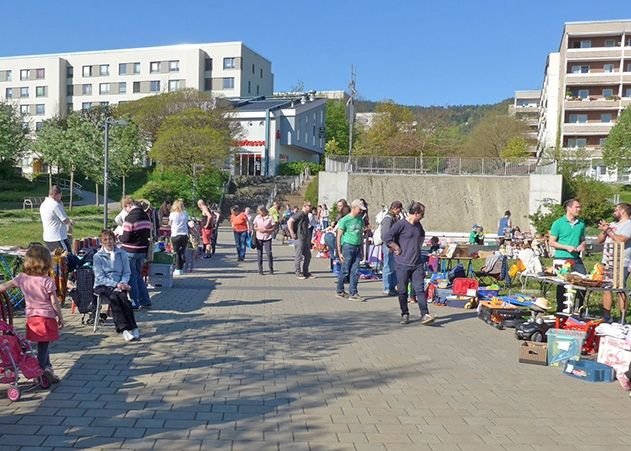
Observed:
{"x":587,"y":85}
{"x":525,"y":107}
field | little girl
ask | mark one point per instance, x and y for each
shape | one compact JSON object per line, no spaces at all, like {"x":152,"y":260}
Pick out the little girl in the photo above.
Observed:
{"x":43,"y":312}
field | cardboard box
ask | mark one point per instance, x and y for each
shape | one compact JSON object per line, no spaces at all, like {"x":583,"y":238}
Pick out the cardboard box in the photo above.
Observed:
{"x":615,"y":352}
{"x":533,"y":353}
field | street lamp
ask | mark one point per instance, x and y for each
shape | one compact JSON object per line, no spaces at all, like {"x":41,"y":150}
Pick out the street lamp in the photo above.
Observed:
{"x":108,"y":122}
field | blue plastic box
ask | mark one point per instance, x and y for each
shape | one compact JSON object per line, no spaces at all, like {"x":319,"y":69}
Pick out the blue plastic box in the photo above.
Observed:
{"x":589,"y":370}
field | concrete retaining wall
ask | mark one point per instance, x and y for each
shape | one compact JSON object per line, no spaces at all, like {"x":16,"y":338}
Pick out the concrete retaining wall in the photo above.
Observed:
{"x":453,"y":203}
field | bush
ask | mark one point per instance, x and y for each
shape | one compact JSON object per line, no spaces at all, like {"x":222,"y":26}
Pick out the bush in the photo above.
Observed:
{"x":311,"y":193}
{"x":542,"y":220}
{"x":298,"y":167}
{"x":169,"y":185}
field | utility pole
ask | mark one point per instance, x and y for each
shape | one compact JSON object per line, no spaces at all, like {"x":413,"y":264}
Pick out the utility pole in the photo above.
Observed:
{"x":351,"y":115}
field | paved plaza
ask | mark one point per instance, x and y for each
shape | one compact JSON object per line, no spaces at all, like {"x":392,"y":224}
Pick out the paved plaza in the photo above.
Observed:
{"x":231,"y":360}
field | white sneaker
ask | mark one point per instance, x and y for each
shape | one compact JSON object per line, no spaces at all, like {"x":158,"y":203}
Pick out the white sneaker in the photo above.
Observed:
{"x":136,"y":334}
{"x":127,"y":335}
{"x":178,"y":272}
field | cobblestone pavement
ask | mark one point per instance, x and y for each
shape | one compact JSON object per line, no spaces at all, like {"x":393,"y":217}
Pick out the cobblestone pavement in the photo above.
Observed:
{"x":233,"y":360}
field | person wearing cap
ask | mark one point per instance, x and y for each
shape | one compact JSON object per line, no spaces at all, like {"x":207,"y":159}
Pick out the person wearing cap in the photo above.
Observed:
{"x":405,"y":239}
{"x":476,"y":236}
{"x":389,"y":275}
{"x":298,"y":227}
{"x":348,"y":243}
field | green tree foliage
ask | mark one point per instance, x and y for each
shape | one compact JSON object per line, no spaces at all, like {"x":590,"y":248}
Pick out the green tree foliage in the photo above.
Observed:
{"x":127,"y":148}
{"x":14,"y":141}
{"x":311,"y":193}
{"x":516,"y":149}
{"x":193,"y":138}
{"x":617,"y":149}
{"x":543,"y":218}
{"x":492,"y":134}
{"x":298,"y":167}
{"x":336,"y":128}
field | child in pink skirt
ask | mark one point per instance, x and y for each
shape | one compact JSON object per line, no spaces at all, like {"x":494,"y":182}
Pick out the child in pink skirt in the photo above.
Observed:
{"x":43,"y":312}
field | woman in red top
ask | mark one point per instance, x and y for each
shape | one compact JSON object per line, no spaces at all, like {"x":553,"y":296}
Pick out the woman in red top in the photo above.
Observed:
{"x":240,"y":228}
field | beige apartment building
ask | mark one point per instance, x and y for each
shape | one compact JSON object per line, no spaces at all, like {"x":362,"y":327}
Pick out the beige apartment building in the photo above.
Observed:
{"x":587,"y":84}
{"x":525,"y":107}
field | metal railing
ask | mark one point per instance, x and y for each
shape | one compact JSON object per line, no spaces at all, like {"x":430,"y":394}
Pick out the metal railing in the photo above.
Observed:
{"x":438,"y":166}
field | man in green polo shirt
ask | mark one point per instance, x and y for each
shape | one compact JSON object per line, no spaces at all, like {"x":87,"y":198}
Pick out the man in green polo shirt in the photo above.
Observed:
{"x":567,"y":238}
{"x":349,"y":239}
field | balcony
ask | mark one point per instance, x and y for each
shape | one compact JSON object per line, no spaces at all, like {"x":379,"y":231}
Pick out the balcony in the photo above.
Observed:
{"x":591,"y":151}
{"x":586,"y":104}
{"x":589,"y":128}
{"x":595,"y":52}
{"x":594,"y":78}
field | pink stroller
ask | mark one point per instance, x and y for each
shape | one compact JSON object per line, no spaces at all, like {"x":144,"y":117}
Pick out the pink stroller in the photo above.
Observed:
{"x":17,"y":357}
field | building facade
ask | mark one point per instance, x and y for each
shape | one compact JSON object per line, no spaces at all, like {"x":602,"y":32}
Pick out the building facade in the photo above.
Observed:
{"x":587,"y":84}
{"x":525,"y":107}
{"x":276,"y":131}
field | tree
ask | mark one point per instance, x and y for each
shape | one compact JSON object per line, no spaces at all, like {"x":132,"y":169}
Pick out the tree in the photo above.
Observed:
{"x":14,"y":140}
{"x":127,"y":147}
{"x":516,"y":149}
{"x":492,"y":134}
{"x":194,"y":138}
{"x":617,"y":150}
{"x":336,"y":126}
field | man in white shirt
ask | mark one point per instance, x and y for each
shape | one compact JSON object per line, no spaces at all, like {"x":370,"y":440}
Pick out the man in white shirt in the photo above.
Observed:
{"x":55,"y":221}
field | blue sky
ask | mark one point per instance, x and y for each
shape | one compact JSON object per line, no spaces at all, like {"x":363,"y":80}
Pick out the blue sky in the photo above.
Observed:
{"x":442,"y":52}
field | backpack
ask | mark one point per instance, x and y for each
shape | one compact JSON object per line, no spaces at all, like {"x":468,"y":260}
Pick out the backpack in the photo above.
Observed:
{"x":456,"y":272}
{"x":83,"y":295}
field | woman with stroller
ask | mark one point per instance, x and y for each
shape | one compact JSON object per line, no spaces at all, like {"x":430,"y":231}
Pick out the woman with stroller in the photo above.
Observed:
{"x":264,"y":227}
{"x":43,"y":311}
{"x":178,"y":220}
{"x":111,"y":280}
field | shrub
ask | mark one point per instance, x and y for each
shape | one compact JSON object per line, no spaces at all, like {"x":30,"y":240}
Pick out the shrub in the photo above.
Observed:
{"x":169,"y":185}
{"x":311,"y":193}
{"x":543,"y":219}
{"x":297,"y":168}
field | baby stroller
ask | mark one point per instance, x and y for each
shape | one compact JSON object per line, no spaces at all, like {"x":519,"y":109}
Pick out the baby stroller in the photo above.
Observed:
{"x":17,"y":357}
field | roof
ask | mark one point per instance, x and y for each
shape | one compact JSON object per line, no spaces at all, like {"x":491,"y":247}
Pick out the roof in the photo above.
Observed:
{"x":261,"y":104}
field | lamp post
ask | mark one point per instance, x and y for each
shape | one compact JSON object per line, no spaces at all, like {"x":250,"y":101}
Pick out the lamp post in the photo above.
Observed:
{"x":109,"y":121}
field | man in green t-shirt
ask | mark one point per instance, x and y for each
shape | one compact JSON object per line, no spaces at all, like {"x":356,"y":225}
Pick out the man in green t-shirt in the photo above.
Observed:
{"x":349,"y":239}
{"x":567,"y":238}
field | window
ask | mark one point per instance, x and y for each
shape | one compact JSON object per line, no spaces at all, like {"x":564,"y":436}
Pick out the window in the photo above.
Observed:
{"x":154,"y":67}
{"x":105,"y":103}
{"x":104,"y":88}
{"x":9,"y":93}
{"x":628,"y":68}
{"x":577,"y":142}
{"x":261,"y":73}
{"x":608,"y":67}
{"x":605,"y":117}
{"x":580,"y":69}
{"x":607,"y":92}
{"x":8,"y":75}
{"x":136,"y":68}
{"x":249,"y":87}
{"x":24,"y":91}
{"x":69,"y":71}
{"x":602,"y":141}
{"x":69,"y":90}
{"x":253,"y":68}
{"x":627,"y":92}
{"x":228,"y":83}
{"x":40,"y":109}
{"x":40,"y":74}
{"x":24,"y":109}
{"x":174,"y":66}
{"x":229,"y":63}
{"x":586,"y":44}
{"x":40,"y":91}
{"x":174,"y":85}
{"x":86,"y":90}
{"x":583,"y":93}
{"x":208,"y":64}
{"x":122,"y":69}
{"x":70,"y":106}
{"x":610,"y":43}
{"x":87,"y":71}
{"x":25,"y":74}
{"x":629,"y":42}
{"x":257,"y":89}
{"x":154,"y":86}
{"x":208,"y":84}
{"x":122,"y":88}
{"x":86,"y":105}
{"x":578,"y":119}
{"x":39,"y":125}
{"x":136,"y":87}
{"x":104,"y":69}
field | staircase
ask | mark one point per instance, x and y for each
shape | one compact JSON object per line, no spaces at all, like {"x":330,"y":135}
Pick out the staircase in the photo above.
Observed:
{"x":252,"y":191}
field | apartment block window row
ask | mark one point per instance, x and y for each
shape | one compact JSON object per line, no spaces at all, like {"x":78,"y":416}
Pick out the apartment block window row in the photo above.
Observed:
{"x":32,"y":74}
{"x":102,"y":70}
{"x":230,"y":63}
{"x":129,"y":69}
{"x":6,"y":75}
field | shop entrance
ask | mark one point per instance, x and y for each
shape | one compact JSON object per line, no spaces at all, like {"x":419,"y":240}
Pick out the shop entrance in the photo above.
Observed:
{"x":247,"y":164}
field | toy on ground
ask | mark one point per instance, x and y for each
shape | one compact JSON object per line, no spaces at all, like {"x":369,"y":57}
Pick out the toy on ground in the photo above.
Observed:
{"x":586,"y":325}
{"x":536,"y":327}
{"x":500,"y":314}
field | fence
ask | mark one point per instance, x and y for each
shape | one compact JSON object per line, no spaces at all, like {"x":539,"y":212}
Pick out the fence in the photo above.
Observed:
{"x":438,"y":166}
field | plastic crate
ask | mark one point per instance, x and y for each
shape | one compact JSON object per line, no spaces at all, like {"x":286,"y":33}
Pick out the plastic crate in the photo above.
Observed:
{"x":161,"y":281}
{"x":564,"y":345}
{"x":165,"y":258}
{"x":589,"y":370}
{"x":160,"y":269}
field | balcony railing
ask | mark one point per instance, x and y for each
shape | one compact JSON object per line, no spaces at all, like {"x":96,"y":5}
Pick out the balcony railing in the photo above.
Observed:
{"x":437,"y":166}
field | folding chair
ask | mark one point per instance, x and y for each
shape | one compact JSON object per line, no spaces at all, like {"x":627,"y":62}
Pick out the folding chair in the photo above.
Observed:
{"x":494,"y":271}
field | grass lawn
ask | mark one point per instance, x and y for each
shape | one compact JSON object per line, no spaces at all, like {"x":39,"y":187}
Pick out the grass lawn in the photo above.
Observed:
{"x":18,"y":228}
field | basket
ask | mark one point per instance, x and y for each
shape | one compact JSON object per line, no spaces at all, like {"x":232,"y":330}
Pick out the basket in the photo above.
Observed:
{"x":589,"y":371}
{"x":581,"y":282}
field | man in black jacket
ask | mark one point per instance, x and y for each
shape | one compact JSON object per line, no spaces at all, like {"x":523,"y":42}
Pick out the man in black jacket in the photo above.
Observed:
{"x":135,"y":241}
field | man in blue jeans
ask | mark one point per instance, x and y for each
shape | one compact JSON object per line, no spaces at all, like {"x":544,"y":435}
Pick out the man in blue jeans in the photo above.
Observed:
{"x":405,"y":240}
{"x":135,"y":241}
{"x":349,"y":239}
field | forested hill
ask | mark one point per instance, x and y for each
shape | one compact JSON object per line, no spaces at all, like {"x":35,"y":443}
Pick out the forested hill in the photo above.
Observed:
{"x":464,"y":116}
